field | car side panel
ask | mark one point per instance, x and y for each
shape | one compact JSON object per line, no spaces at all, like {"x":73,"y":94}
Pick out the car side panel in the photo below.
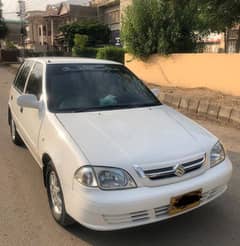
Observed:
{"x":55,"y":141}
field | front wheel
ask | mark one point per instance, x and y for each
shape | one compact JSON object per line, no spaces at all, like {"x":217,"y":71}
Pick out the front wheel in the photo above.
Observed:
{"x":16,"y":139}
{"x":55,"y":198}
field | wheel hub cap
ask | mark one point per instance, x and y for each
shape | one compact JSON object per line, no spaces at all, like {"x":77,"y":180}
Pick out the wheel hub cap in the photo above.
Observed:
{"x":55,"y":194}
{"x":13,"y":130}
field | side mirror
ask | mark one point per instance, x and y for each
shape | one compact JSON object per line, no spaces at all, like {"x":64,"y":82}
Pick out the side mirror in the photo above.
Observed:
{"x":28,"y":101}
{"x":155,"y":91}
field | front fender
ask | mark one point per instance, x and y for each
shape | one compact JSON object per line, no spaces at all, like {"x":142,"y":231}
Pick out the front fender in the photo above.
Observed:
{"x":67,"y":157}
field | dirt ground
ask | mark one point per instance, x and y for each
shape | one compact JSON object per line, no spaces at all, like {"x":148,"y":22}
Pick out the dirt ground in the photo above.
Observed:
{"x":202,"y":94}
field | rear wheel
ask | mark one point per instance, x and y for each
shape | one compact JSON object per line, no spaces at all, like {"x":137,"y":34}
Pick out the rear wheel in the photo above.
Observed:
{"x":55,"y":197}
{"x":16,"y":139}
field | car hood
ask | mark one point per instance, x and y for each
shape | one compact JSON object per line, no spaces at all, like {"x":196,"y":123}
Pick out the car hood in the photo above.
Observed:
{"x":136,"y":136}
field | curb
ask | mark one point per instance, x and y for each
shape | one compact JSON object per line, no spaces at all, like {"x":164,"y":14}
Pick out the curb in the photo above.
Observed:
{"x":204,"y":109}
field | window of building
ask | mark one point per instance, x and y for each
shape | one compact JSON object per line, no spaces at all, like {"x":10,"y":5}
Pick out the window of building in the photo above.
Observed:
{"x":44,"y":30}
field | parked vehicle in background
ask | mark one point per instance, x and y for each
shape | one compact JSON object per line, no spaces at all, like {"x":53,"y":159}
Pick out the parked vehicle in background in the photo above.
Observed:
{"x":112,"y":156}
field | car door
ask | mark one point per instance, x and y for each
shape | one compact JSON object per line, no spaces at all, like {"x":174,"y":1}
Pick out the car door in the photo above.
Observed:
{"x":32,"y":118}
{"x":17,"y":89}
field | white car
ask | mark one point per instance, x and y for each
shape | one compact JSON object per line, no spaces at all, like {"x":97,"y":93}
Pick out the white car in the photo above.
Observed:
{"x":112,"y":156}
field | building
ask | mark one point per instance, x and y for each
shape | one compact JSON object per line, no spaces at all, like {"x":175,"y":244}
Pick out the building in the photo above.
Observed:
{"x":43,"y":26}
{"x":34,"y":29}
{"x":108,"y":12}
{"x":213,"y":43}
{"x":70,"y":12}
{"x":228,"y":42}
{"x":233,"y":40}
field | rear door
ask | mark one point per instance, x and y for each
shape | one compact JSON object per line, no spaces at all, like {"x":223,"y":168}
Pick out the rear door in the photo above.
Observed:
{"x":17,"y":90}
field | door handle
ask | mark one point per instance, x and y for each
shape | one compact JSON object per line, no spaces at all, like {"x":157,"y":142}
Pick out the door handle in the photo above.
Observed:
{"x":21,"y":109}
{"x":11,"y":97}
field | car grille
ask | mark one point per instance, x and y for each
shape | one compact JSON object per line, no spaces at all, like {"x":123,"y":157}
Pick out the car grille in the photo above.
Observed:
{"x":169,"y":172}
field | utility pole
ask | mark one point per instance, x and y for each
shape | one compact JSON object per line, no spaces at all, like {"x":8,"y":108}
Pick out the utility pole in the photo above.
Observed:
{"x":1,"y":19}
{"x":22,"y":15}
{"x":1,"y":10}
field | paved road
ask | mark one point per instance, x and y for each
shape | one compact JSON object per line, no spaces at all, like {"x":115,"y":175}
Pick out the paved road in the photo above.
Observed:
{"x":25,"y":218}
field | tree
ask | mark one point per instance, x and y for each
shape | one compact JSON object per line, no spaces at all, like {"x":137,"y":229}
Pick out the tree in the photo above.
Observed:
{"x":97,"y":33}
{"x":217,"y":15}
{"x":3,"y":29}
{"x":173,"y":26}
{"x":220,"y":16}
{"x":80,"y":41}
{"x":159,"y":26}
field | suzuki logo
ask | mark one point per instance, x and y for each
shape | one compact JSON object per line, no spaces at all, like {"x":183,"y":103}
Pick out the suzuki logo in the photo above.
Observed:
{"x":179,"y":170}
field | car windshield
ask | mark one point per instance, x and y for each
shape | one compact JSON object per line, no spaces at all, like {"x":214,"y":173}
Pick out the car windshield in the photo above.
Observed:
{"x":95,"y":87}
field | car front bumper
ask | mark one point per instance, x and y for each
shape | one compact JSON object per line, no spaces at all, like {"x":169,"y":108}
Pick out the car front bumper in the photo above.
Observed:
{"x":113,"y":210}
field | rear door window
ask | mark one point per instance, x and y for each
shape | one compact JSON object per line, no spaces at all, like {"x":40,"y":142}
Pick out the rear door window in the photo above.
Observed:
{"x":18,"y":72}
{"x":34,"y":85}
{"x":21,"y":79}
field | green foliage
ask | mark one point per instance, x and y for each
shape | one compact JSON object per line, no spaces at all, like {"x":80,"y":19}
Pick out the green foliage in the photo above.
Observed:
{"x":84,"y":52}
{"x":172,"y":26}
{"x":80,"y":49}
{"x":97,"y":33}
{"x":217,"y":15}
{"x":159,"y":26}
{"x":10,"y":45}
{"x":80,"y":41}
{"x":111,"y":53}
{"x":3,"y":29}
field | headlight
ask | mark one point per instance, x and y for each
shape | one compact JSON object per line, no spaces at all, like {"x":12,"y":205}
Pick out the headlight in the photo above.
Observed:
{"x":106,"y":178}
{"x":217,"y":154}
{"x":86,"y":176}
{"x":113,"y":178}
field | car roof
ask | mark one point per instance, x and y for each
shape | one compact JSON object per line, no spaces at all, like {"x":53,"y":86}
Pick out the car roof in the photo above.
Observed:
{"x":70,"y":60}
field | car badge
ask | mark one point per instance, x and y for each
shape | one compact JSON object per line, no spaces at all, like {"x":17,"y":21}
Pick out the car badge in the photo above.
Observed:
{"x":179,"y":170}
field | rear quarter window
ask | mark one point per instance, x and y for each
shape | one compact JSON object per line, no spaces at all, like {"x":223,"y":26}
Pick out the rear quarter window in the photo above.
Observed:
{"x":22,"y":76}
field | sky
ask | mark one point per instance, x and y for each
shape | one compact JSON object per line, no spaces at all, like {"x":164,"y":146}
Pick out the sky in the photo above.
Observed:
{"x":10,"y":6}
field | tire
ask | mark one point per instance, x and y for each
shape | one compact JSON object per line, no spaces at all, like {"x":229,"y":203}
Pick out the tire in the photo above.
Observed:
{"x":16,"y":139}
{"x":55,"y":197}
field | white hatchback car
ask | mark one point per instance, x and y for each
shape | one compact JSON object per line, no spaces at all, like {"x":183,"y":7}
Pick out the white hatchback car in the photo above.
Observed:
{"x":111,"y":154}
